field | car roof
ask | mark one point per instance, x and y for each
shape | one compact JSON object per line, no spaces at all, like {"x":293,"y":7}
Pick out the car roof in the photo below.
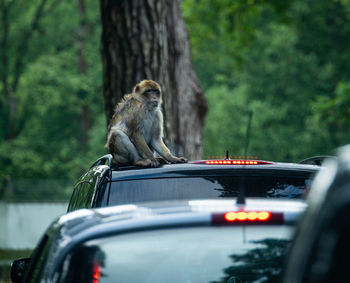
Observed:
{"x":198,"y":169}
{"x":180,"y":208}
{"x":86,"y":224}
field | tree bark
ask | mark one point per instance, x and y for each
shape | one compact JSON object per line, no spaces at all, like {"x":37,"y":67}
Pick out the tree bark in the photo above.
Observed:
{"x":85,"y":116}
{"x":148,"y":39}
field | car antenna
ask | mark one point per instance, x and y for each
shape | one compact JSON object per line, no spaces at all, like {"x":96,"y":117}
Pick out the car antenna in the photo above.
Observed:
{"x":241,"y":194}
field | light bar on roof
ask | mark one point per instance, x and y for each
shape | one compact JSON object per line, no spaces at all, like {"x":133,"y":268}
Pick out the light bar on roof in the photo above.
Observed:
{"x":232,"y":162}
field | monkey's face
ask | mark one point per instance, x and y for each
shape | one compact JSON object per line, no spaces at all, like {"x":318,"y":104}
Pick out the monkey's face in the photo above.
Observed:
{"x":150,"y":92}
{"x":152,"y":96}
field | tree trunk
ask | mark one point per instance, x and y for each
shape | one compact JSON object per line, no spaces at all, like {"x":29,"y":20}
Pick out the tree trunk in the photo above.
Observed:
{"x":85,"y":117}
{"x":147,"y":39}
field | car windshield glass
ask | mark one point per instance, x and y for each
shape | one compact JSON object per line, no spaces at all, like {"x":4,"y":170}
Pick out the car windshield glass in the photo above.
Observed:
{"x":201,"y":254}
{"x":208,"y":187}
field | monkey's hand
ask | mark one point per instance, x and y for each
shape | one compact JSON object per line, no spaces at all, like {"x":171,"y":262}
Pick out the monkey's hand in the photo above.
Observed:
{"x":147,"y":162}
{"x":162,"y":161}
{"x":178,"y":160}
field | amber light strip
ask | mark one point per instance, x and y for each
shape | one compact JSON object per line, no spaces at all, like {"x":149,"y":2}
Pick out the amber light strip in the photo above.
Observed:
{"x":243,"y":216}
{"x":233,"y":162}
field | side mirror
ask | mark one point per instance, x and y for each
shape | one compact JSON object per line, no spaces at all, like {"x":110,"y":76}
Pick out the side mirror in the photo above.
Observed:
{"x":18,"y":268}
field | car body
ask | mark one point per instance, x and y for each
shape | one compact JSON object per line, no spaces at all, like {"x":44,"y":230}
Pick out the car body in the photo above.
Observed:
{"x":321,"y":249}
{"x":174,"y":241}
{"x":103,"y":185}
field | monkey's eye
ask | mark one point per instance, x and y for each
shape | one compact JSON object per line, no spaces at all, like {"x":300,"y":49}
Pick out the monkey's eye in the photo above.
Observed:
{"x":156,"y":91}
{"x":153,"y":90}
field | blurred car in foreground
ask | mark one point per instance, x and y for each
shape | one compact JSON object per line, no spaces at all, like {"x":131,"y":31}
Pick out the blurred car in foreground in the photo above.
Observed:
{"x":104,"y":185}
{"x":178,"y":241}
{"x":321,"y":250}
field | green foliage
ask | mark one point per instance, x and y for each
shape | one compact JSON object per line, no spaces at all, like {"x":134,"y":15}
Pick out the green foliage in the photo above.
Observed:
{"x":323,"y":30}
{"x":272,"y":129}
{"x":52,"y":126}
{"x":290,"y":71}
{"x":221,"y":30}
{"x":335,"y":110}
{"x":216,"y":35}
{"x":59,"y":108}
{"x":282,"y":63}
{"x":261,"y":264}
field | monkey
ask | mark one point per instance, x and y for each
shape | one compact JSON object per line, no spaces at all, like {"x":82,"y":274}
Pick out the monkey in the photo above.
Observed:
{"x":136,"y":129}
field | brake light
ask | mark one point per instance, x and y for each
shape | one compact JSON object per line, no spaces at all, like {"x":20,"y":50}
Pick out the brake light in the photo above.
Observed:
{"x":243,"y":216}
{"x":96,"y":273}
{"x":237,"y":217}
{"x":232,"y":162}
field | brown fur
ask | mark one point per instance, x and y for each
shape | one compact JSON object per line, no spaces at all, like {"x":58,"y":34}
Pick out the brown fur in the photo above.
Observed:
{"x":136,"y":128}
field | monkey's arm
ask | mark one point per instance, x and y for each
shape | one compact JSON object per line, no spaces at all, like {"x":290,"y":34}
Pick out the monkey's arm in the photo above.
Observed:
{"x":162,"y":149}
{"x":159,"y":146}
{"x":143,"y":148}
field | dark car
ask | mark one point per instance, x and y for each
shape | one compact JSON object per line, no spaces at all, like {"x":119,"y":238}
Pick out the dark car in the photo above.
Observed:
{"x":321,"y":249}
{"x":104,"y":185}
{"x":174,"y":241}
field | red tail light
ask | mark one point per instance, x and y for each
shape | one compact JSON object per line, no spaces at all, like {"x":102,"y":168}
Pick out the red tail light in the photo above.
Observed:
{"x":247,"y":216}
{"x":96,"y":273}
{"x":232,"y":162}
{"x":239,"y":217}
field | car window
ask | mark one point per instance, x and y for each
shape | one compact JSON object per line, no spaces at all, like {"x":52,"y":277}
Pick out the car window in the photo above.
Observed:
{"x":73,"y":200}
{"x":132,"y":191}
{"x":81,"y":197}
{"x":201,"y":254}
{"x":38,"y":260}
{"x":101,"y":197}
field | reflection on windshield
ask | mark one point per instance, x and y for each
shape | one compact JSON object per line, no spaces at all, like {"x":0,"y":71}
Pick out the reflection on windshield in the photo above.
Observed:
{"x":189,"y":255}
{"x":282,"y":190}
{"x":262,"y":264}
{"x":208,"y":187}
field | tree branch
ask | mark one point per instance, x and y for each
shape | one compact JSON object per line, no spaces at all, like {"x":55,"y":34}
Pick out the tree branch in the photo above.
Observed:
{"x":23,"y":46}
{"x":53,"y":6}
{"x":5,"y":71}
{"x":4,"y":46}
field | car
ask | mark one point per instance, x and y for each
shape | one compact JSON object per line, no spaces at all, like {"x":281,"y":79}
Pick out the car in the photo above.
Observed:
{"x":321,"y":248}
{"x":105,"y":185}
{"x":217,"y":240}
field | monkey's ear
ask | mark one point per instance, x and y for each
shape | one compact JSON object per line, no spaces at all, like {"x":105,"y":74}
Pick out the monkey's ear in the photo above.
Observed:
{"x":137,"y":88}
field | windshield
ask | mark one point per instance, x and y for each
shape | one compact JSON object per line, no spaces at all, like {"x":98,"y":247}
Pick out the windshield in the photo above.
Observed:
{"x":267,"y":186}
{"x":189,"y":255}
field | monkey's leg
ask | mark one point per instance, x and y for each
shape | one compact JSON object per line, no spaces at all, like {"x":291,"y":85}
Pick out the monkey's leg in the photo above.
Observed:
{"x":148,"y":159}
{"x":125,"y":152}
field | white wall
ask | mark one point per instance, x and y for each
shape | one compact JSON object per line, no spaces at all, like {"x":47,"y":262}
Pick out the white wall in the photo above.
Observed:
{"x":23,"y":224}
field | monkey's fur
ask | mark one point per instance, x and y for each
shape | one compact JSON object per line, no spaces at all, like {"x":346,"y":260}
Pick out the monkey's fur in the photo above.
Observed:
{"x":136,"y":129}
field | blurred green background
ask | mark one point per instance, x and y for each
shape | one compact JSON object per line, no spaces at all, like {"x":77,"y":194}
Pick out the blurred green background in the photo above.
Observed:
{"x":285,"y":64}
